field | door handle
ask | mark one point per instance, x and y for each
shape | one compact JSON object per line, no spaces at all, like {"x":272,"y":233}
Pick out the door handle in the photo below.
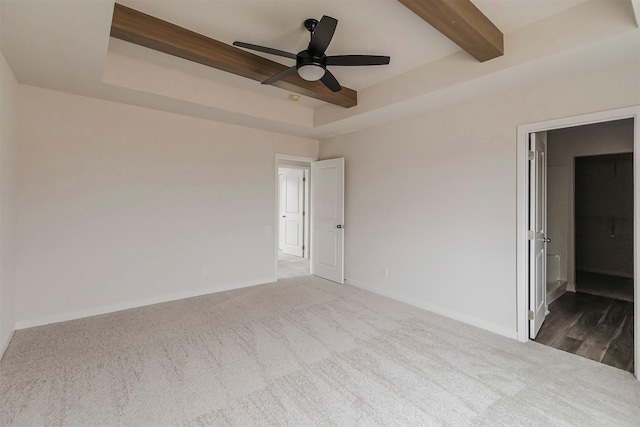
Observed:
{"x":547,"y":240}
{"x":339,"y":226}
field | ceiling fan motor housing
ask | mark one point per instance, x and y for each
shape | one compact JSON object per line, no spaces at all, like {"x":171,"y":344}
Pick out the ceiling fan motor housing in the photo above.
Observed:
{"x":307,"y":58}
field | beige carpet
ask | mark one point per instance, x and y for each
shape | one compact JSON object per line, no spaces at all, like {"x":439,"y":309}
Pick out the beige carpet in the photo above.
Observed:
{"x":299,"y":352}
{"x":292,"y":266}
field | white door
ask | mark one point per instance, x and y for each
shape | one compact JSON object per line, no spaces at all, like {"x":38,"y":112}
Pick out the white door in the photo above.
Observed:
{"x":292,"y":211}
{"x":327,"y":219}
{"x":537,"y":232}
{"x":281,"y":209}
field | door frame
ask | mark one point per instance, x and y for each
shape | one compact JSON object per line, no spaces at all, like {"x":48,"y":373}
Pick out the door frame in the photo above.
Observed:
{"x":522,"y":207}
{"x":276,"y":216}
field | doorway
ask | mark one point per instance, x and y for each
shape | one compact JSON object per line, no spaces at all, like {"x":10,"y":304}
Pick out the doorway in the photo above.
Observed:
{"x":292,"y":201}
{"x":317,"y":248}
{"x":590,"y":217}
{"x":595,"y":333}
{"x":603,"y":206}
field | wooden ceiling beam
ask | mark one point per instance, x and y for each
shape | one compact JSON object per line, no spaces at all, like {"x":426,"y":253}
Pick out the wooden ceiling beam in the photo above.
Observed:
{"x":463,"y":23}
{"x":136,"y":27}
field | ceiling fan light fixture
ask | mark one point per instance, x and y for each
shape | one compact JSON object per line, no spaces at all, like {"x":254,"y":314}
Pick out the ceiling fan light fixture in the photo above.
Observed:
{"x":311,"y":72}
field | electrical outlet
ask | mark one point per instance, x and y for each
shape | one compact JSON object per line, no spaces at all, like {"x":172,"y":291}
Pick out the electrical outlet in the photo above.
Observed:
{"x":205,"y":270}
{"x":385,"y":273}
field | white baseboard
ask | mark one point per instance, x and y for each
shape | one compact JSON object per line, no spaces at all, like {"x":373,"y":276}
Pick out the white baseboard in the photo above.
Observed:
{"x":5,"y":343}
{"x":63,"y":317}
{"x":470,"y":320}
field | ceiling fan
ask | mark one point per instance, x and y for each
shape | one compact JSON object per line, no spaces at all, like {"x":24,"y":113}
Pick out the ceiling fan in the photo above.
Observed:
{"x":311,"y":63}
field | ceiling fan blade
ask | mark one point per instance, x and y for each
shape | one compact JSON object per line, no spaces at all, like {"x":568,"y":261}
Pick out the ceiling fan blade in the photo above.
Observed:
{"x":322,"y":34}
{"x":330,"y":81}
{"x":264,"y":49}
{"x":357,"y":60}
{"x":281,"y":75}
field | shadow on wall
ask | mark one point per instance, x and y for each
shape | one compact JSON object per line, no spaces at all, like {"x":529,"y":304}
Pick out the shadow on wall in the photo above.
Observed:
{"x":604,"y":214}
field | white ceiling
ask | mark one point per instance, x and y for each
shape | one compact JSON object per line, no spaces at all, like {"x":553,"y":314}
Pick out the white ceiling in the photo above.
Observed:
{"x":65,"y":45}
{"x":375,"y":27}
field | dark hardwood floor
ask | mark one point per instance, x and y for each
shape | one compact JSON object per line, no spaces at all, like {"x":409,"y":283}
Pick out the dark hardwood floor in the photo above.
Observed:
{"x":605,"y":285}
{"x":591,"y":326}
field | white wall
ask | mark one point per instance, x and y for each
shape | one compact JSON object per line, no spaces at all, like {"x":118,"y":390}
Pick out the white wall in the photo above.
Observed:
{"x":121,"y":206}
{"x":563,"y":146}
{"x":433,"y":198}
{"x":8,"y":88}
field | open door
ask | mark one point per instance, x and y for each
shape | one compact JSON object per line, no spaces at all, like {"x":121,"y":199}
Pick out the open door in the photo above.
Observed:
{"x":292,"y":211}
{"x":327,"y":219}
{"x":281,"y":209}
{"x":537,"y":229}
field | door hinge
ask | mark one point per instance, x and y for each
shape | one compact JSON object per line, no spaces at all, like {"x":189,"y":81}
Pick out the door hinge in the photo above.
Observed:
{"x":303,"y":213}
{"x":531,"y":315}
{"x":531,"y":235}
{"x":303,"y":247}
{"x":531,"y":155}
{"x":304,"y":179}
